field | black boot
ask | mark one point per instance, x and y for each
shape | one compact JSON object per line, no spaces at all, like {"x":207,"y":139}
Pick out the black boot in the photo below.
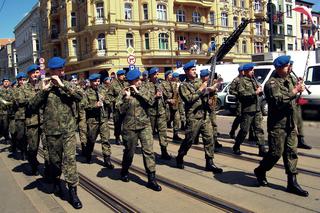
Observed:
{"x":118,"y":141}
{"x":236,"y":149}
{"x":152,"y":183}
{"x":74,"y":199}
{"x":262,"y":150}
{"x":107,"y":162}
{"x":88,"y":158}
{"x":294,"y":187}
{"x":217,"y":145}
{"x":124,"y":175}
{"x":164,"y":153}
{"x":302,"y":144}
{"x":176,"y":136}
{"x":232,"y":134}
{"x":261,"y":177}
{"x":34,"y":168}
{"x":196,"y":140}
{"x":46,"y":173}
{"x":23,"y":155}
{"x":179,"y":160}
{"x":83,"y":149}
{"x":210,"y":166}
{"x":57,"y":189}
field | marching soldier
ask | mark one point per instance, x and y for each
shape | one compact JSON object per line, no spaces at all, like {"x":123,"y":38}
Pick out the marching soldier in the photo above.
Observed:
{"x":249,"y":92}
{"x":281,"y":95}
{"x":106,"y":86}
{"x":97,"y":119}
{"x":5,"y":104}
{"x":157,"y":111}
{"x":132,"y":103}
{"x":144,"y":77}
{"x":116,"y":87}
{"x":57,"y":98}
{"x":192,"y":92}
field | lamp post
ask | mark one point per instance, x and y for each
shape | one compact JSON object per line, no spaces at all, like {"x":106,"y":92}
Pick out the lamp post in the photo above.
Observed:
{"x":171,"y":32}
{"x":270,"y":13}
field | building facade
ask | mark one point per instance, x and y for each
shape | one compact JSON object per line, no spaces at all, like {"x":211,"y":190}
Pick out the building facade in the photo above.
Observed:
{"x":28,"y":39}
{"x":99,"y":35}
{"x":7,"y":60}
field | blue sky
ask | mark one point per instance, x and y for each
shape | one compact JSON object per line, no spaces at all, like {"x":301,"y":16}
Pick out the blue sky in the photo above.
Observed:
{"x":14,"y":10}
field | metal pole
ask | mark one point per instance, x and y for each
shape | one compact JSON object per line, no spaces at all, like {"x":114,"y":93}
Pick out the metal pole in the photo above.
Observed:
{"x":171,"y":48}
{"x":270,"y":14}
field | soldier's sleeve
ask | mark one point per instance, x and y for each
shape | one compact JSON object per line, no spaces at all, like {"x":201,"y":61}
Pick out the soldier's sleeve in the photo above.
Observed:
{"x":246,"y":92}
{"x":72,"y":92}
{"x":146,"y":94}
{"x":166,"y":90}
{"x":38,"y":100}
{"x":233,"y":88}
{"x":89,"y":105}
{"x":187,"y":95}
{"x":111,"y":92}
{"x":122,"y":104}
{"x":19,"y":97}
{"x":107,"y":99}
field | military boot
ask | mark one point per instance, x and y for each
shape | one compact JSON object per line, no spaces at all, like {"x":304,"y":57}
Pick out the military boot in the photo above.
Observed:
{"x":294,"y":187}
{"x":261,"y":177}
{"x":164,"y":153}
{"x":176,"y":136}
{"x":232,"y":134}
{"x":152,"y":183}
{"x":124,"y":174}
{"x":210,"y":166}
{"x":73,"y":196}
{"x":57,"y":189}
{"x":196,"y":140}
{"x":302,"y":144}
{"x":107,"y":162}
{"x":46,"y":173}
{"x":236,"y":149}
{"x":217,"y":145}
{"x":179,"y":160}
{"x":118,"y":141}
{"x":83,"y":149}
{"x":262,"y":150}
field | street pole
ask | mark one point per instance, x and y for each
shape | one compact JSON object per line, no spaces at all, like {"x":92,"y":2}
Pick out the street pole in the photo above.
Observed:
{"x":171,"y":48}
{"x":270,"y":11}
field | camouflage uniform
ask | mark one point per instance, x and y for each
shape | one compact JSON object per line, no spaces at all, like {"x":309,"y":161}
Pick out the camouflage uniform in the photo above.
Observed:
{"x":233,"y":90}
{"x":251,"y":114}
{"x":5,"y":95}
{"x":97,"y":120}
{"x":59,"y":127}
{"x":81,"y":120}
{"x":136,"y":126}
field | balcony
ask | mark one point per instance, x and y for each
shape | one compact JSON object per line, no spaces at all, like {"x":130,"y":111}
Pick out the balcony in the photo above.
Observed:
{"x":101,"y":53}
{"x":99,"y":20}
{"x":202,"y":3}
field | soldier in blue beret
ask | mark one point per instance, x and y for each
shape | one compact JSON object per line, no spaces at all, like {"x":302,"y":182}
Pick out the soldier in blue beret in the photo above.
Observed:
{"x":282,"y":136}
{"x":153,"y":70}
{"x":6,"y":96}
{"x":144,"y":77}
{"x":190,"y":65}
{"x":121,"y":72}
{"x":132,"y":105}
{"x":32,"y":68}
{"x":55,"y":99}
{"x":175,"y":75}
{"x":204,"y":73}
{"x":169,"y":72}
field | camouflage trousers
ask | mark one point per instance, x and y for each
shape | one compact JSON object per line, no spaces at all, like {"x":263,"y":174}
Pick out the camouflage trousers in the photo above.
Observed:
{"x":282,"y":142}
{"x":117,"y":119}
{"x":62,"y":157}
{"x":159,"y":122}
{"x":44,"y":145}
{"x":194,"y":128}
{"x":33,"y":138}
{"x":213,"y":119}
{"x":248,"y":119}
{"x":4,"y":126}
{"x":82,"y":127}
{"x":299,"y":121}
{"x":93,"y":130}
{"x":20,"y":136}
{"x":174,"y":116}
{"x":130,"y":141}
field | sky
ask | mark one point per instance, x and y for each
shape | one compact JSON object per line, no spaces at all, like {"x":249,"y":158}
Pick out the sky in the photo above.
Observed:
{"x":14,"y":10}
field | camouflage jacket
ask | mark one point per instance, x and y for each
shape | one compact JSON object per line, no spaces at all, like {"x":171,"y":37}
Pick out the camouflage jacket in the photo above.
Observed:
{"x":6,"y":101}
{"x":247,"y":95}
{"x":170,"y":91}
{"x":281,"y":102}
{"x":135,"y":109}
{"x":158,"y":106}
{"x":19,"y":103}
{"x":234,"y":86}
{"x":193,"y":98}
{"x":115,"y":89}
{"x":57,"y":103}
{"x":96,"y":114}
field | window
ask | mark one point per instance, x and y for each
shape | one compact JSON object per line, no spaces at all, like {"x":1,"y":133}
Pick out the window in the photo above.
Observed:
{"x":163,"y":41}
{"x":258,"y":30}
{"x":127,"y":11}
{"x":212,"y":17}
{"x":289,"y":29}
{"x":258,"y":47}
{"x":237,"y":49}
{"x":161,"y":12}
{"x":74,"y":46}
{"x":257,"y":6}
{"x":129,"y":40}
{"x":290,"y":47}
{"x":235,"y":22}
{"x":99,"y":10}
{"x":197,"y":41}
{"x":234,"y":3}
{"x":101,"y":41}
{"x":196,"y":17}
{"x":86,"y":45}
{"x":147,"y":41}
{"x":37,"y":45}
{"x":73,"y":19}
{"x":182,"y":43}
{"x":244,"y":46}
{"x":242,"y":3}
{"x":213,"y":45}
{"x":181,"y":16}
{"x":289,"y":11}
{"x":145,"y":12}
{"x":224,"y":19}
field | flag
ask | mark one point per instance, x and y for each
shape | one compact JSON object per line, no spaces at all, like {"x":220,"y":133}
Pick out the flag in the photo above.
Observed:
{"x":311,"y":41}
{"x":304,"y":10}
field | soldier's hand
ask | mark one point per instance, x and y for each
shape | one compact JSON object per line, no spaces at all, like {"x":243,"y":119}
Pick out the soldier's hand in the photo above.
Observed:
{"x":203,"y":86}
{"x":134,"y":88}
{"x":300,"y":87}
{"x":259,"y":90}
{"x":57,"y":81}
{"x":127,"y":92}
{"x":99,"y":104}
{"x":46,"y":85}
{"x":158,"y":94}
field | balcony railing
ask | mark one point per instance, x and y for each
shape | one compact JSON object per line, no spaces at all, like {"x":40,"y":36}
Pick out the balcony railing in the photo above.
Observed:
{"x":101,"y":53}
{"x":99,"y":20}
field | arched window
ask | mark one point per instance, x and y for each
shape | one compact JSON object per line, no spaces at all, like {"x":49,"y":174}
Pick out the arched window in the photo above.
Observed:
{"x":163,"y":41}
{"x":147,"y":41}
{"x":127,"y":11}
{"x":196,"y":17}
{"x":99,"y":10}
{"x":181,"y":16}
{"x":212,"y":17}
{"x":162,"y":12}
{"x":101,"y":41}
{"x":235,"y":22}
{"x":129,"y":40}
{"x":224,"y":19}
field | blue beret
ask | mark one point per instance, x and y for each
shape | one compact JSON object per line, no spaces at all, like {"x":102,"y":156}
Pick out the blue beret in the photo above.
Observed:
{"x":21,"y":75}
{"x":281,"y":61}
{"x":74,"y":76}
{"x":248,"y":66}
{"x":153,"y":70}
{"x":204,"y":73}
{"x":32,"y":68}
{"x":175,"y":75}
{"x":121,"y":72}
{"x":189,"y":65}
{"x":145,"y":73}
{"x":94,"y":76}
{"x":13,"y":82}
{"x":56,"y":63}
{"x":107,"y":78}
{"x":5,"y":78}
{"x":240,"y":68}
{"x":168,"y":73}
{"x":133,"y":75}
